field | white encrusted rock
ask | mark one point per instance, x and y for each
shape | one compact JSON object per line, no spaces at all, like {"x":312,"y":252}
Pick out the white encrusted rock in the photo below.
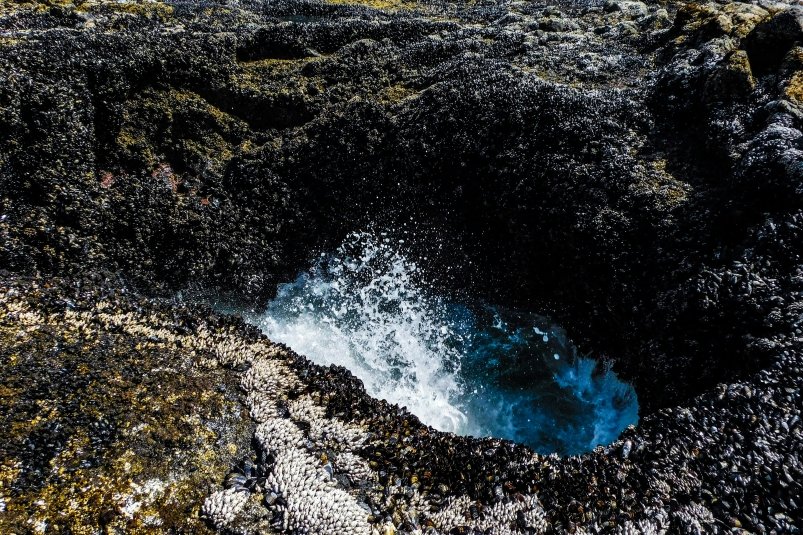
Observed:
{"x":223,"y":506}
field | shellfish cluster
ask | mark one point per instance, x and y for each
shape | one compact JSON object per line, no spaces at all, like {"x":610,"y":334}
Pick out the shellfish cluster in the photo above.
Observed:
{"x":338,"y":460}
{"x":327,"y":458}
{"x":317,"y":480}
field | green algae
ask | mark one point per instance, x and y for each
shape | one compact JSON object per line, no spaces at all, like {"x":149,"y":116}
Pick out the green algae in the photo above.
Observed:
{"x":395,"y":93}
{"x":384,"y":5}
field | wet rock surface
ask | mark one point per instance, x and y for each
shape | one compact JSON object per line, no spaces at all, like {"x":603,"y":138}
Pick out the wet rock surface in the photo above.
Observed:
{"x":634,"y":168}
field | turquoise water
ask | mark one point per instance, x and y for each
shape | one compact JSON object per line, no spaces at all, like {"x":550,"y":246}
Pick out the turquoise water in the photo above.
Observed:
{"x":466,"y":368}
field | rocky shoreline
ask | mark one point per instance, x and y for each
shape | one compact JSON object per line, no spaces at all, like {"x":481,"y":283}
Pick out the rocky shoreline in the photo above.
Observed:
{"x":634,"y":169}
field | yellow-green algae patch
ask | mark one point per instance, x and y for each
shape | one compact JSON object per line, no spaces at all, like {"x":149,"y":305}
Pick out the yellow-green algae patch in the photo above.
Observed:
{"x":148,"y":9}
{"x":144,"y":8}
{"x":386,"y":5}
{"x":275,"y":64}
{"x":183,"y":123}
{"x":395,"y":93}
{"x":794,"y":89}
{"x":736,"y":19}
{"x":271,"y":75}
{"x":109,"y":422}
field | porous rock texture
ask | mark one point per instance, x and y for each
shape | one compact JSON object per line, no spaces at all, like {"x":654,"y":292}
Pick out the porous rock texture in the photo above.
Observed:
{"x":635,"y":169}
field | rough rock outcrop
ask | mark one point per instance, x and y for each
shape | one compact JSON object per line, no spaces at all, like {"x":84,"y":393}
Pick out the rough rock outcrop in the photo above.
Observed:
{"x":634,"y":168}
{"x":115,"y":413}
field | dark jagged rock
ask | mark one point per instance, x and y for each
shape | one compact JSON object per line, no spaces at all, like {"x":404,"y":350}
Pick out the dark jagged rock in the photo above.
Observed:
{"x":635,"y":169}
{"x":768,"y":42}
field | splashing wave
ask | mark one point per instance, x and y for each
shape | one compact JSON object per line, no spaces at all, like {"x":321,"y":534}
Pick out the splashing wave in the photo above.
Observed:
{"x":473,"y":370}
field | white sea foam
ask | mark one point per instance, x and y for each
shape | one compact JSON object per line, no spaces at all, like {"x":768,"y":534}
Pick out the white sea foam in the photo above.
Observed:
{"x":361,"y":308}
{"x":516,"y":376}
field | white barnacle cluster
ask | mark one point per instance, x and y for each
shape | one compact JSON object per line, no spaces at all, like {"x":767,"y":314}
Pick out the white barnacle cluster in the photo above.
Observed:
{"x":261,"y":406}
{"x":228,"y":349}
{"x":225,"y":347}
{"x":694,"y":518}
{"x":269,"y":376}
{"x":508,"y":517}
{"x":326,"y":432}
{"x":312,"y":502}
{"x":223,"y":506}
{"x":266,"y":382}
{"x":20,"y":315}
{"x":279,"y":434}
{"x":354,"y":466}
{"x":151,"y":327}
{"x":641,"y":527}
